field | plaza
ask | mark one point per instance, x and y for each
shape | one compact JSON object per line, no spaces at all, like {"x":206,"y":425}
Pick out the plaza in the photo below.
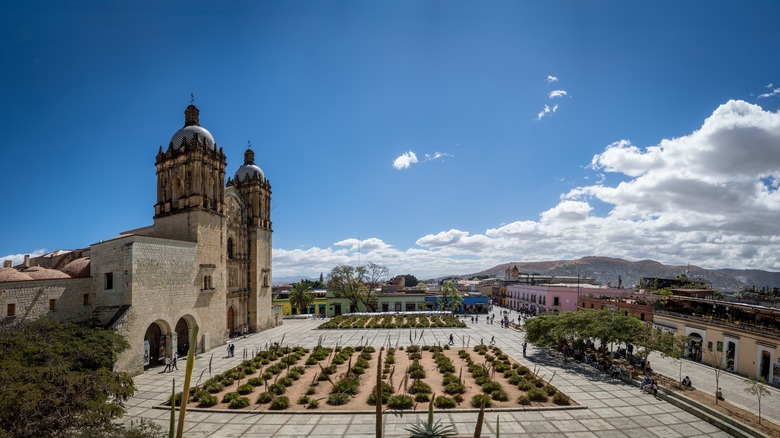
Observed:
{"x":612,"y":408}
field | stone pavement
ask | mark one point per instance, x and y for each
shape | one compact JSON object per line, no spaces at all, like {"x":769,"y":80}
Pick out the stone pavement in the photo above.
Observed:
{"x":614,"y":409}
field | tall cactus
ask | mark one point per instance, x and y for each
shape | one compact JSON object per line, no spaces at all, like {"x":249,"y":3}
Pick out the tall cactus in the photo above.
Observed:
{"x":480,"y":420}
{"x":379,"y":396}
{"x":185,"y":395}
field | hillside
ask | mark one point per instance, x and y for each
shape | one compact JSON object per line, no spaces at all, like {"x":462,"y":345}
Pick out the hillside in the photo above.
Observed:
{"x":607,"y":270}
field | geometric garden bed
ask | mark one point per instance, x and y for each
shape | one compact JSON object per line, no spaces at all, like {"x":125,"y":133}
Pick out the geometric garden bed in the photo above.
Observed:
{"x":343,"y":378}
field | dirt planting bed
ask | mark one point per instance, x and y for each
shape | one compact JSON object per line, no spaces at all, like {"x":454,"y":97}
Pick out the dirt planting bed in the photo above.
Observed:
{"x":391,"y":320}
{"x":325,"y":379}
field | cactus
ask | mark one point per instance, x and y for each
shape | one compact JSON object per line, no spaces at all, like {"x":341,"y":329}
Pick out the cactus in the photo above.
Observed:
{"x":172,"y":428}
{"x":431,"y":428}
{"x":480,"y":420}
{"x":185,"y":395}
{"x":379,"y":396}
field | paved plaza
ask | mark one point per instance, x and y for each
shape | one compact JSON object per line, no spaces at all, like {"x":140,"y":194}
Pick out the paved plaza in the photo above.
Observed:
{"x":614,"y":409}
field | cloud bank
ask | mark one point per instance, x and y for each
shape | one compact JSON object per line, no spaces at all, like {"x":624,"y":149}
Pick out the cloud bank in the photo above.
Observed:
{"x":708,"y":198}
{"x":405,"y":160}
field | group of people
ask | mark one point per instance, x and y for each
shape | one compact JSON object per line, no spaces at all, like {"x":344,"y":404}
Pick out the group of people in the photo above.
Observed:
{"x":170,"y":364}
{"x":231,"y":350}
{"x":647,"y":382}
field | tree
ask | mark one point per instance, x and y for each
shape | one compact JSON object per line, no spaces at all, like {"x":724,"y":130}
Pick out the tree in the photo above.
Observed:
{"x":410,"y":280}
{"x":718,"y":366}
{"x":450,"y":298}
{"x":604,"y":325}
{"x":357,"y":284}
{"x":301,"y":297}
{"x":757,"y":387}
{"x":57,"y":379}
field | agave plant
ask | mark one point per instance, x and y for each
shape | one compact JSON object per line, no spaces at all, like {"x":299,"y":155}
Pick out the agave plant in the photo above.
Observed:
{"x":431,"y":428}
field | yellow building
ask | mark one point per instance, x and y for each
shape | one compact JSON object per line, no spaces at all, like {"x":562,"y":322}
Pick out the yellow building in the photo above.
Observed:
{"x":318,"y":306}
{"x":741,"y":338}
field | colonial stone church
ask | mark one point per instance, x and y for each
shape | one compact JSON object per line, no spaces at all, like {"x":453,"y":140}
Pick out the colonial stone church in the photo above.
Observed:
{"x":206,"y":260}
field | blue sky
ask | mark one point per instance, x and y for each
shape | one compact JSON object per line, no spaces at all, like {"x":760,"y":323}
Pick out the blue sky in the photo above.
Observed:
{"x":445,"y":137}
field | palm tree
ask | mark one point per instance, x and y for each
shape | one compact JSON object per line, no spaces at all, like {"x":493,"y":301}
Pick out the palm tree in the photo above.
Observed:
{"x":301,"y":297}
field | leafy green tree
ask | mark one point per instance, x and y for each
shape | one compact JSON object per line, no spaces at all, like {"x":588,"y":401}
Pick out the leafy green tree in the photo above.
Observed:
{"x":605,"y":325}
{"x":757,"y":386}
{"x":450,"y":298}
{"x":301,"y":297}
{"x":410,"y":280}
{"x":57,"y":379}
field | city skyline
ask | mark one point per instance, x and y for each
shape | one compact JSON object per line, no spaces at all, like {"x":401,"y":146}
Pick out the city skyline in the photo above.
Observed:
{"x":434,"y":138}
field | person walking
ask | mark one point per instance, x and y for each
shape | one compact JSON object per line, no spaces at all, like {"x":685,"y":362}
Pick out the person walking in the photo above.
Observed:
{"x":525,"y":344}
{"x":167,"y":364}
{"x":232,"y":350}
{"x":174,"y":366}
{"x":492,"y":340}
{"x":452,"y":340}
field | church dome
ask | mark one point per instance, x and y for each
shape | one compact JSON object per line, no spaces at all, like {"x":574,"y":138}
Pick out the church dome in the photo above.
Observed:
{"x":78,"y":268}
{"x":249,"y":170}
{"x":11,"y":274}
{"x":39,"y":273}
{"x":192,"y":132}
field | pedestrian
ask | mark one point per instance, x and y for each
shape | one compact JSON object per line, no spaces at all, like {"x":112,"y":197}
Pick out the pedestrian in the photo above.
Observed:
{"x":492,"y":340}
{"x":167,"y":364}
{"x":232,"y":350}
{"x":472,"y":319}
{"x":452,"y":340}
{"x":228,"y":350}
{"x":175,"y":367}
{"x":525,"y":344}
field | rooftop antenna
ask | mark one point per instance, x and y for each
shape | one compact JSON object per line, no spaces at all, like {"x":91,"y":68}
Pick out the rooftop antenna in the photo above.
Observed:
{"x":248,"y":144}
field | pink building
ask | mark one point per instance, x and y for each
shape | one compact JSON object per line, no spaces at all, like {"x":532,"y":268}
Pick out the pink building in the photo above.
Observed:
{"x":556,"y":297}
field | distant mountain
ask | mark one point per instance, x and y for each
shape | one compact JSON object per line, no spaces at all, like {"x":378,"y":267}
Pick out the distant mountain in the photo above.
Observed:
{"x":608,"y":271}
{"x":291,"y":279}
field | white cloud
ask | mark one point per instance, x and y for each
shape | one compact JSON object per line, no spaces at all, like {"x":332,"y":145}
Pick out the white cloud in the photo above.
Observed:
{"x":17,"y":259}
{"x":774,"y":92}
{"x":546,"y":111}
{"x":557,"y":93}
{"x":551,"y":78}
{"x":405,"y":160}
{"x":708,"y":198}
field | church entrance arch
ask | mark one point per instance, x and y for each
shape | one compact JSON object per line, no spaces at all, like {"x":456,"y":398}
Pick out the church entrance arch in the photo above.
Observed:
{"x":183,"y":334}
{"x":156,"y":344}
{"x":231,"y":321}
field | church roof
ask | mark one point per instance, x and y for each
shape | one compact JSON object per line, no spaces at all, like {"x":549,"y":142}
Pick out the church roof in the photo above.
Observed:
{"x":192,"y":133}
{"x":79,"y":268}
{"x":11,"y":274}
{"x":39,"y":273}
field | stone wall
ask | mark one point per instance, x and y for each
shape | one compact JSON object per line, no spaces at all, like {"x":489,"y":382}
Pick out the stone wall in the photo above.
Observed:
{"x":32,"y":299}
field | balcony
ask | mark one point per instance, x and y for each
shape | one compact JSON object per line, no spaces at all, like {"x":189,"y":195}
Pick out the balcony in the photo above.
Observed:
{"x":764,"y":330}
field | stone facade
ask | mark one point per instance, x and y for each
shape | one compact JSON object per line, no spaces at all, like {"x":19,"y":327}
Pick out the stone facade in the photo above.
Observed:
{"x":206,"y":260}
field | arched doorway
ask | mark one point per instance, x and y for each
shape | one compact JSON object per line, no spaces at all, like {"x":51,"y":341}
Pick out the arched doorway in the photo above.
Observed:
{"x":183,"y":333}
{"x":695,"y":347}
{"x":154,"y":346}
{"x":231,"y":321}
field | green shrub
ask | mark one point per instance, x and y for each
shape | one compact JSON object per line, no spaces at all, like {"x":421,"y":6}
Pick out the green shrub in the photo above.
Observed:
{"x":280,"y":403}
{"x":303,"y":400}
{"x":561,"y":399}
{"x":238,"y":403}
{"x":230,"y":396}
{"x":245,"y":389}
{"x":277,"y":388}
{"x":489,"y":387}
{"x":419,"y":387}
{"x":265,"y":397}
{"x":387,"y":391}
{"x":338,"y":399}
{"x":422,"y":397}
{"x":455,"y":388}
{"x":524,"y":400}
{"x":313,"y":404}
{"x":286,"y":381}
{"x":311,"y":390}
{"x":499,"y":395}
{"x":206,"y":400}
{"x":550,"y":390}
{"x":525,"y":385}
{"x":476,"y":401}
{"x":256,"y":381}
{"x":537,"y":395}
{"x":444,"y":402}
{"x":400,"y":401}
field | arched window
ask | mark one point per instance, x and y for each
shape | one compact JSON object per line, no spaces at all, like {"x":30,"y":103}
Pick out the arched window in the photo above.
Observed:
{"x":230,"y":248}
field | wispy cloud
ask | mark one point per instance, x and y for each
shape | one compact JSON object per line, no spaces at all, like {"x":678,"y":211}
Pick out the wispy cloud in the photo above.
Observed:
{"x":774,"y":92}
{"x":405,"y":160}
{"x":436,"y":156}
{"x":551,"y":78}
{"x":557,"y":93}
{"x":546,"y":112}
{"x":17,"y":259}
